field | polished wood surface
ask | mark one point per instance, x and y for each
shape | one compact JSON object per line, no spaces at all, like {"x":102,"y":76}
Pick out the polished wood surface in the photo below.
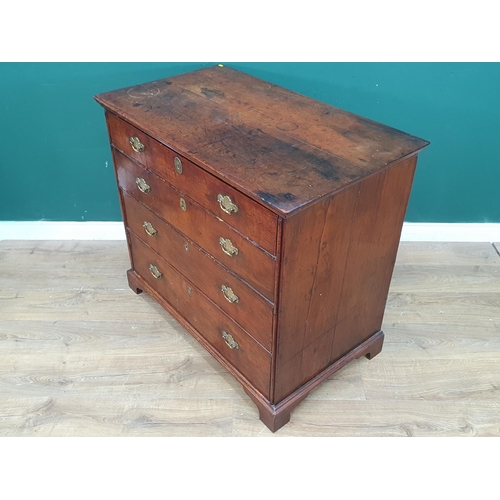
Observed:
{"x":254,"y":265}
{"x":251,"y":311}
{"x":81,"y":355}
{"x":280,"y":148}
{"x":252,"y":220}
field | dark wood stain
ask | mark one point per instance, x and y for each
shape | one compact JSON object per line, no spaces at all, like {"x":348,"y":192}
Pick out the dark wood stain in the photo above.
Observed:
{"x":209,"y":93}
{"x":286,"y":196}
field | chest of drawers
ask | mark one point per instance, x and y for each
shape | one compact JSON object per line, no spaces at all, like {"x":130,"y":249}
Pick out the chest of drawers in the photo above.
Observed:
{"x":265,"y":222}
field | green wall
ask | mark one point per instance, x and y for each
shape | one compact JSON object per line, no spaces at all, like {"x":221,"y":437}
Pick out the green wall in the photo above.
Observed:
{"x":56,"y":163}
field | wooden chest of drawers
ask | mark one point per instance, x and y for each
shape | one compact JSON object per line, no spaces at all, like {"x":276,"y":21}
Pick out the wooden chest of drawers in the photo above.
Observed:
{"x":265,"y":222}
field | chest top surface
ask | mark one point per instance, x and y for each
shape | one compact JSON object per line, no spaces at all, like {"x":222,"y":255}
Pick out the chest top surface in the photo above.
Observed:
{"x":280,"y":148}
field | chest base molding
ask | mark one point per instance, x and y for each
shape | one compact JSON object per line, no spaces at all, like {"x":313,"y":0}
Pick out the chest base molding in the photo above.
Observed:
{"x":276,"y":416}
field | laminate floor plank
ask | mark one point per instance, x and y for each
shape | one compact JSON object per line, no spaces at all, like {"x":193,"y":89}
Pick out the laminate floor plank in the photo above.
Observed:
{"x":151,"y":337}
{"x":465,"y":278}
{"x":106,"y":416}
{"x":79,"y":305}
{"x":451,"y":340}
{"x":433,"y":379}
{"x":82,"y":355}
{"x":393,"y":418}
{"x":477,"y":309}
{"x":446,"y":254}
{"x":62,"y":265}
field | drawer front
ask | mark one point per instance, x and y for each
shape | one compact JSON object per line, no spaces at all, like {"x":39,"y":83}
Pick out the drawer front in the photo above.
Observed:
{"x":255,"y":266}
{"x":249,"y":309}
{"x":223,"y":334}
{"x":245,"y":215}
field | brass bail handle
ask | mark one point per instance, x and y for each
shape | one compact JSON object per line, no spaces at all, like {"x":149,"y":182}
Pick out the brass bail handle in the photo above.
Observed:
{"x":228,"y":339}
{"x":136,"y":144}
{"x":227,"y":247}
{"x":155,"y":271}
{"x":143,"y":186}
{"x":229,"y":295}
{"x":148,"y":227}
{"x":226,"y":204}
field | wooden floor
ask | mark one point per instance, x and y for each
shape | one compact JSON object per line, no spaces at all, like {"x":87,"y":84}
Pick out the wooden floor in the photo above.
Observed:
{"x":82,"y":355}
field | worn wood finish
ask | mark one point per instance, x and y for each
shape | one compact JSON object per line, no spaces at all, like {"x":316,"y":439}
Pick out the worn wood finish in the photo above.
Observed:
{"x":252,"y":220}
{"x":251,"y":311}
{"x":376,"y":229}
{"x":311,"y":284}
{"x":320,"y":243}
{"x":81,"y":355}
{"x":280,"y":148}
{"x":253,"y":264}
{"x":333,"y":296}
{"x":187,"y":302}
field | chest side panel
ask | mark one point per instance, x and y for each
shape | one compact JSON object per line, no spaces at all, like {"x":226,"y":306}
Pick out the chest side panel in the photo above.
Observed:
{"x":338,"y":258}
{"x":375,"y":236}
{"x":315,"y":246}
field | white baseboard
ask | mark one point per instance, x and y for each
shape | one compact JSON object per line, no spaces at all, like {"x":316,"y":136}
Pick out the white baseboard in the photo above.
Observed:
{"x":412,"y":231}
{"x":440,"y":231}
{"x":55,"y":230}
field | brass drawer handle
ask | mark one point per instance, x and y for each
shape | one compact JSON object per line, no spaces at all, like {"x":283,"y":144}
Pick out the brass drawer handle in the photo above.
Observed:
{"x":226,"y":204}
{"x":148,"y":227}
{"x":143,"y":185}
{"x":182,"y":203}
{"x":155,"y":271}
{"x":228,"y":339}
{"x":229,"y":294}
{"x":228,"y":247}
{"x":136,"y":144}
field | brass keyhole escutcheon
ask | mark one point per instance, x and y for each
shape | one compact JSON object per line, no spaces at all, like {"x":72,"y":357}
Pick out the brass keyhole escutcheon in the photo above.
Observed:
{"x":189,"y":291}
{"x":226,"y":204}
{"x":148,"y":227}
{"x":229,"y":295}
{"x":186,"y":246}
{"x":155,"y":271}
{"x":143,"y":186}
{"x":136,"y":144}
{"x":183,"y":204}
{"x":227,"y":247}
{"x":178,"y":165}
{"x":228,"y":339}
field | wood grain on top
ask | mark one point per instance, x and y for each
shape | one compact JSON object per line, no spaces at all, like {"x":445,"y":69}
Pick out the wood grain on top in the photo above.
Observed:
{"x":281,"y":148}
